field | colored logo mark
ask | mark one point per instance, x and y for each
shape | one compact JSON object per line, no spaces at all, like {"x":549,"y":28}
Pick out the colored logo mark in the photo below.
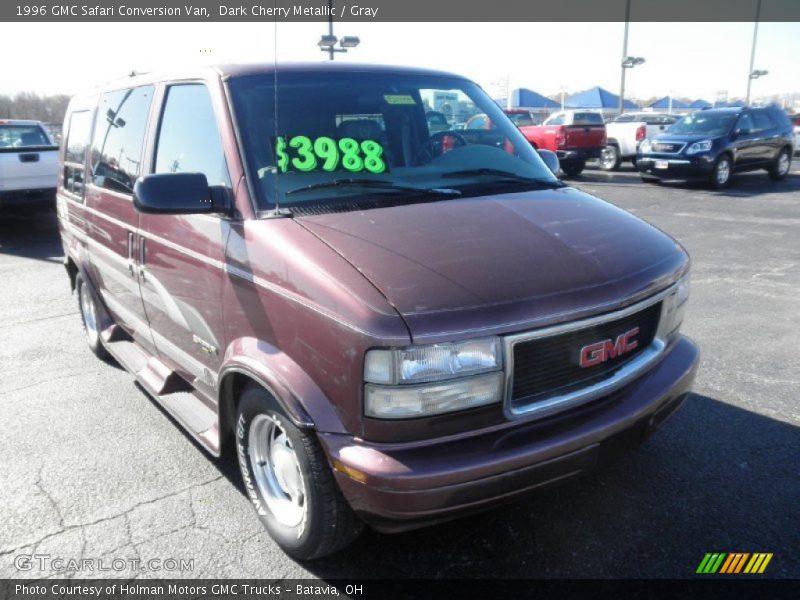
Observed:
{"x":735,"y":562}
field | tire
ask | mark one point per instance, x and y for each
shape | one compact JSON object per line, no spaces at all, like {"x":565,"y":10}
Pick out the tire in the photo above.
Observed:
{"x":610,"y":158}
{"x":288,"y":480}
{"x":572,"y":169}
{"x":87,"y":305}
{"x":783,"y":163}
{"x":722,"y":173}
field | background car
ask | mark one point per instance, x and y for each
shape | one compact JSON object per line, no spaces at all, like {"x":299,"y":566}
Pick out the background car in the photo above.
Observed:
{"x":28,"y":165}
{"x":796,"y":122}
{"x":713,"y":144}
{"x":626,"y":131}
{"x":574,"y":135}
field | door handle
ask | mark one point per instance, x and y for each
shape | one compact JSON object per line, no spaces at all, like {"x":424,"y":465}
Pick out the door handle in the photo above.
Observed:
{"x":130,"y":253}
{"x":141,"y":258}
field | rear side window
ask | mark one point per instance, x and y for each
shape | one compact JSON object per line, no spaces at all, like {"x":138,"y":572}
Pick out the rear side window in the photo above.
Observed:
{"x":188,"y":138}
{"x":78,"y":129}
{"x":762,"y":121}
{"x":555,"y":120}
{"x":119,"y":137}
{"x":587,"y":119}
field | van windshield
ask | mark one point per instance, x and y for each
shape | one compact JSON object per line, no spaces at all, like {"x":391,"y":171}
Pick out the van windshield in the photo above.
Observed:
{"x":339,"y":137}
{"x":704,"y":123}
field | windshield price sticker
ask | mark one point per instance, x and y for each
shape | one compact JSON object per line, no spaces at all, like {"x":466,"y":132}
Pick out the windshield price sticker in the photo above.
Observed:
{"x":301,"y":153}
{"x":399,"y":99}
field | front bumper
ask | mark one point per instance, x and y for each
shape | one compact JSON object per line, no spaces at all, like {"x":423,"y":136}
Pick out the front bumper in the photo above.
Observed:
{"x":404,"y":486}
{"x":677,"y":167}
{"x":579,"y":155}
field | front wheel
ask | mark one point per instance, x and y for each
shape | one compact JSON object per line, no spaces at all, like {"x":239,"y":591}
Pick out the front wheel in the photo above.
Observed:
{"x":781,"y":167}
{"x":572,"y":169}
{"x":610,"y":158}
{"x":721,"y":173}
{"x":288,"y":480}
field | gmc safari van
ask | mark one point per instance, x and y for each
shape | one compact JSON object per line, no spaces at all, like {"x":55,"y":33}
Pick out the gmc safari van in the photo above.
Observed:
{"x":387,"y":325}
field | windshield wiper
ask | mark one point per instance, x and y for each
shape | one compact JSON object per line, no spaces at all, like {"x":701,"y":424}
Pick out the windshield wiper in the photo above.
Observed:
{"x":508,"y":175}
{"x":375,"y":184}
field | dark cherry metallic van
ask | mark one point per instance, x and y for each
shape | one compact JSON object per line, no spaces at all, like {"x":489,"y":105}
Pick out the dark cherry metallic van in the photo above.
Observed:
{"x":386,"y":325}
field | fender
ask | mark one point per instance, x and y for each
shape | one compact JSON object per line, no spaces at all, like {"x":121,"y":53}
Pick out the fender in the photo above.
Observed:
{"x":300,"y":397}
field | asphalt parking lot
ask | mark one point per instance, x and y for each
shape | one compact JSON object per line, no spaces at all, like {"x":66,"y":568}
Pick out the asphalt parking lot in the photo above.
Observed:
{"x":93,"y":468}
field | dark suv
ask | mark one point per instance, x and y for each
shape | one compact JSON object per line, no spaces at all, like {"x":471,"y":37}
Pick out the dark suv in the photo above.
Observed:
{"x":386,"y":323}
{"x":716,"y":143}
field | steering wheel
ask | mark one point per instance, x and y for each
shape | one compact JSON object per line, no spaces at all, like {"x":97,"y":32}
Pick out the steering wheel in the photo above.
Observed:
{"x":429,"y":149}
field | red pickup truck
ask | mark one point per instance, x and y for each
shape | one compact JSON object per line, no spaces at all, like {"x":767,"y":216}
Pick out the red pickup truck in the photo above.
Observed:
{"x":575,"y":136}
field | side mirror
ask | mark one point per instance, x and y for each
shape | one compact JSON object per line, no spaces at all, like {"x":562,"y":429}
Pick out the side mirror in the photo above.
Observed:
{"x":550,"y":159}
{"x":174,"y":194}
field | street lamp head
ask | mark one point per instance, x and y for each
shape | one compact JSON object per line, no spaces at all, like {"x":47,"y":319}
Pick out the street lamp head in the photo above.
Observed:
{"x":755,"y":74}
{"x":327,"y":41}
{"x":349,"y":41}
{"x":632,"y":61}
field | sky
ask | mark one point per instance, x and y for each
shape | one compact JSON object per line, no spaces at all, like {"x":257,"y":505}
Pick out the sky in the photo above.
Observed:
{"x":696,"y":60}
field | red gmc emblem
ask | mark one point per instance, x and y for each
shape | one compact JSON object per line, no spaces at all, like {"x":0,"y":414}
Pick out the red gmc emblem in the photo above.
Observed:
{"x":600,"y":352}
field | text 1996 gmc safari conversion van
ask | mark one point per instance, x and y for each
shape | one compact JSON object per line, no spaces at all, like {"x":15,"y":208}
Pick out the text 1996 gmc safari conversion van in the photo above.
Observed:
{"x":388,"y":325}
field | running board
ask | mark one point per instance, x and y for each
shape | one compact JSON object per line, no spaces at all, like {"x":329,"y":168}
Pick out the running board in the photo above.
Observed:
{"x":171,"y":391}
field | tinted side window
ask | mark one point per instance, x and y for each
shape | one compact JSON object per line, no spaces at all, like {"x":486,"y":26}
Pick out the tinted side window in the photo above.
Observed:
{"x":762,"y":121}
{"x":188,"y":138}
{"x":624,"y":119}
{"x":80,"y":124}
{"x":118,"y":138}
{"x":556,"y":120}
{"x":745,"y":123}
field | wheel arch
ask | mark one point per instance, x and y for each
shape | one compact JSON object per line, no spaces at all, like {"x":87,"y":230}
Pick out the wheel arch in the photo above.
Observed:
{"x":250,"y":361}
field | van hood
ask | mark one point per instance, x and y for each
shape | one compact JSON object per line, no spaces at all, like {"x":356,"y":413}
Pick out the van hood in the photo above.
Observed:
{"x":497,"y":264}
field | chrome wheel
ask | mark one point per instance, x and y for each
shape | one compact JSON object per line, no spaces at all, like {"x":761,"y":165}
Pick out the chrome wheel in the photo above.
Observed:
{"x":88,"y":313}
{"x":783,"y":163}
{"x":277,"y":471}
{"x":723,"y":171}
{"x":608,"y":158}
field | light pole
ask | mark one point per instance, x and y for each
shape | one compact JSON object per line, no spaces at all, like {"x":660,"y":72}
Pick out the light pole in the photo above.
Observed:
{"x":752,"y":71}
{"x":327,"y":43}
{"x":628,"y":62}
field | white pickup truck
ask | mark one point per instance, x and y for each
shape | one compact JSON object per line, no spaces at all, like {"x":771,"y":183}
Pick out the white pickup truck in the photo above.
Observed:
{"x":627,"y":131}
{"x":28,"y":165}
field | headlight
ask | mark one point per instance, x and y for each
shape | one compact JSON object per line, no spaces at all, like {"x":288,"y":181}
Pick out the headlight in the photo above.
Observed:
{"x":433,"y":362}
{"x":673,"y":308}
{"x":409,"y":401}
{"x":454,"y":377}
{"x":644,"y":147}
{"x":701,"y":146}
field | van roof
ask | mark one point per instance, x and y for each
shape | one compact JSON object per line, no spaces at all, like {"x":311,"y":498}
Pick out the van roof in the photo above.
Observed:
{"x":228,"y":71}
